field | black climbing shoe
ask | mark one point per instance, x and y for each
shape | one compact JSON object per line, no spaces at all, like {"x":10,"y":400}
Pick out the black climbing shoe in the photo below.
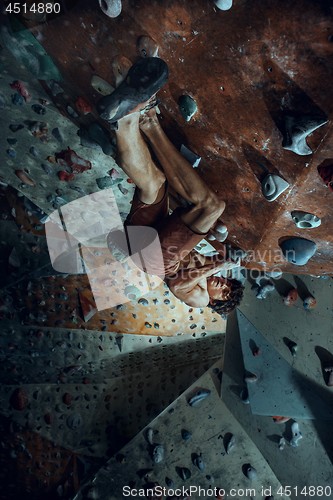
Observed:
{"x":144,"y":79}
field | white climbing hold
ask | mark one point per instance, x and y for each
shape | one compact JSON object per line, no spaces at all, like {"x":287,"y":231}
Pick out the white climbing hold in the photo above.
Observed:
{"x":112,"y":8}
{"x":223,"y":4}
{"x":297,"y":435}
{"x":272,"y":186}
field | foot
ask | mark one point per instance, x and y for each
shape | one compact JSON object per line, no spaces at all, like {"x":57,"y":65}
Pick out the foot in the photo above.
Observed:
{"x":143,"y":80}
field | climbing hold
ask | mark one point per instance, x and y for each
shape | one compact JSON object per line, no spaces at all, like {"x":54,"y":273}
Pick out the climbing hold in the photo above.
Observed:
{"x":147,"y":47}
{"x":119,"y":341}
{"x":14,"y":128}
{"x":263,"y":291}
{"x":244,"y":396}
{"x":74,"y":421}
{"x":24,"y":178}
{"x":280,"y":420}
{"x":183,"y":472}
{"x":37,"y":108}
{"x":282,"y":443}
{"x":34,"y":152}
{"x":71,"y":111}
{"x":304,"y":220}
{"x":198,"y":462}
{"x":292,"y":346}
{"x":88,"y":306}
{"x":186,"y":435}
{"x":17,"y":99}
{"x":21,"y":88}
{"x":11,"y":141}
{"x":296,"y":435}
{"x":101,"y":86}
{"x":251,"y":473}
{"x":55,"y":88}
{"x":156,"y":326}
{"x":19,"y":399}
{"x":104,"y":182}
{"x":272,"y":186}
{"x":143,"y":302}
{"x":297,"y":129}
{"x":148,"y":325}
{"x":223,"y":4}
{"x":67,"y":399}
{"x":291,"y":297}
{"x":309,"y":303}
{"x":56,"y":132}
{"x":158,"y":453}
{"x":132,"y":292}
{"x":169,"y":482}
{"x":112,"y":8}
{"x":123,"y":190}
{"x":326,"y":173}
{"x":187,"y":107}
{"x":231,"y":443}
{"x":150,"y":435}
{"x":298,"y":250}
{"x":329,"y":380}
{"x":198,"y":397}
{"x":11,"y":153}
{"x":250,"y":378}
{"x":83,"y":106}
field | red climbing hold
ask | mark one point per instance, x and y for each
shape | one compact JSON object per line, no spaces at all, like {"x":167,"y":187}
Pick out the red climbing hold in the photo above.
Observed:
{"x":65,"y":176}
{"x":21,"y":88}
{"x":83,"y":106}
{"x":69,"y":158}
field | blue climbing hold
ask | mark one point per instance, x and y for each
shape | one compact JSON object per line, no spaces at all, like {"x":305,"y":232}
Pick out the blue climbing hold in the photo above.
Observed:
{"x":298,"y":251}
{"x":17,"y":99}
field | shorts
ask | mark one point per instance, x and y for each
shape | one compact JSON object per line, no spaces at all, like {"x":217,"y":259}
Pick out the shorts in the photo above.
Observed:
{"x":176,"y":239}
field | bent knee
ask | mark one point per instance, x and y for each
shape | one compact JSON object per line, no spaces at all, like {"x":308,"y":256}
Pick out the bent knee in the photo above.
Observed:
{"x":214,"y":206}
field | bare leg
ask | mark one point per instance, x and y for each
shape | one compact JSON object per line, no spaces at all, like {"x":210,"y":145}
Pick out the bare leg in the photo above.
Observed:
{"x":185,"y":181}
{"x":135,"y":159}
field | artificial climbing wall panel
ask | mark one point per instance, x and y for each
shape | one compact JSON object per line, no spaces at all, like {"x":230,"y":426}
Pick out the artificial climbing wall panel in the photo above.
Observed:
{"x":308,"y":464}
{"x":194,"y":440}
{"x":302,"y":338}
{"x":87,"y":394}
{"x":247,"y":68}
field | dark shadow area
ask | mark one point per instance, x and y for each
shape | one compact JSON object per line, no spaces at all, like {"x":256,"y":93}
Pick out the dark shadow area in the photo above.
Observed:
{"x":318,"y":398}
{"x":275,"y":438}
{"x":302,"y":289}
{"x":326,"y":361}
{"x":282,"y":286}
{"x":259,"y":164}
{"x":281,"y":89}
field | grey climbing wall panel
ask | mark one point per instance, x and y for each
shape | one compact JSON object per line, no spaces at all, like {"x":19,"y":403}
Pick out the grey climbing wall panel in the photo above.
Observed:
{"x":210,"y":424}
{"x":81,"y":392}
{"x":279,"y":388}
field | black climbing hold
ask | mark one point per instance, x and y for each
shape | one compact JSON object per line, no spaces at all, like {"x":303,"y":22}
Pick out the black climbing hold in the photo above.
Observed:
{"x":37,"y":108}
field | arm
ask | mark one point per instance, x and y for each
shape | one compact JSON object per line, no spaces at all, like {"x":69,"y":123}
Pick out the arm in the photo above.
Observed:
{"x":190,"y":285}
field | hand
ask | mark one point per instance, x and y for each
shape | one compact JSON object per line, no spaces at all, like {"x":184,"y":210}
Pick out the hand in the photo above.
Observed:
{"x":229,"y":264}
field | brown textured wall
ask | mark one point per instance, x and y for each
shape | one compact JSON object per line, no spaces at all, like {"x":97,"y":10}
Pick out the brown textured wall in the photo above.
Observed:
{"x":243,"y":67}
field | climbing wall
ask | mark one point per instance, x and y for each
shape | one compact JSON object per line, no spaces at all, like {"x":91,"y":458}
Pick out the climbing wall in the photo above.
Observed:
{"x":175,"y":452}
{"x":258,"y":79}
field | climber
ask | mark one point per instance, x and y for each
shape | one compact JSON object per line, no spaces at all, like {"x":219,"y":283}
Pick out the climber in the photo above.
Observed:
{"x":189,"y":275}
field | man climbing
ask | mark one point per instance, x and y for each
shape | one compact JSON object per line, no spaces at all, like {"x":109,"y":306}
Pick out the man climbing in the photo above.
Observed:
{"x":189,"y":275}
